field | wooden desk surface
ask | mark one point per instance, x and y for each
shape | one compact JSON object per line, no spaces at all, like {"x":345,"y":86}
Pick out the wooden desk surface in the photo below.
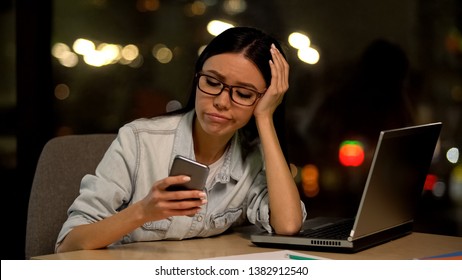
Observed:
{"x":415,"y":245}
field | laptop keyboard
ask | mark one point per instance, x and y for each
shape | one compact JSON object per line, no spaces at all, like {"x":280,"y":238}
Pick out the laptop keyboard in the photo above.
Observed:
{"x":338,"y":230}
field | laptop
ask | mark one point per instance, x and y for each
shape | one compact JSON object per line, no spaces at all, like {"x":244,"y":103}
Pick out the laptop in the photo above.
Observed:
{"x":393,"y":187}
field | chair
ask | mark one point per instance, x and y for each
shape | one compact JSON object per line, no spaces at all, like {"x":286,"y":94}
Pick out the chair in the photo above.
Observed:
{"x":62,"y":164}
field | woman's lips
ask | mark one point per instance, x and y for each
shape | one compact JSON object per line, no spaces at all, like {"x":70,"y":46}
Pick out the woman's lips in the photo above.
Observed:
{"x":217,"y":117}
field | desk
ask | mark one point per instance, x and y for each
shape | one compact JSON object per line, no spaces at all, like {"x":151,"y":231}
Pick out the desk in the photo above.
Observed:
{"x":415,"y":245}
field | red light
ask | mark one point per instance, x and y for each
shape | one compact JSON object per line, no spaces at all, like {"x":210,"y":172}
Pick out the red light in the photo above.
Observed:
{"x":351,"y":153}
{"x":430,"y":182}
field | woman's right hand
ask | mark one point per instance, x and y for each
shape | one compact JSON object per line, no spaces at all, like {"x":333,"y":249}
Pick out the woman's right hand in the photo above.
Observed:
{"x":161,"y":203}
{"x":158,"y":204}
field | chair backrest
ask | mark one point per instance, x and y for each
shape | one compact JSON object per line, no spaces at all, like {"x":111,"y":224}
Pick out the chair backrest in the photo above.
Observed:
{"x":62,"y":164}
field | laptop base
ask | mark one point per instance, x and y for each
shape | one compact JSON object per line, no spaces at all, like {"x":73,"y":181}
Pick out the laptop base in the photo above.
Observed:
{"x":284,"y":242}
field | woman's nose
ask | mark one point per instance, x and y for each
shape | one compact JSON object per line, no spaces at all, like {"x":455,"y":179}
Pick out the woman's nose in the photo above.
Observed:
{"x":224,"y":99}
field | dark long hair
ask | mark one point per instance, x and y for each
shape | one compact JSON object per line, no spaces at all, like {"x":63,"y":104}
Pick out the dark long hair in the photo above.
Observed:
{"x":255,"y":45}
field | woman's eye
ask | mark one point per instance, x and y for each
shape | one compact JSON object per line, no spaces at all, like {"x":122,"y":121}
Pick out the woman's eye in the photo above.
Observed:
{"x":244,"y":94}
{"x":213,"y":83}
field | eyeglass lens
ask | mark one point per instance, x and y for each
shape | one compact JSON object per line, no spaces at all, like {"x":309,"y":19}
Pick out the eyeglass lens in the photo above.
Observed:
{"x":240,"y":95}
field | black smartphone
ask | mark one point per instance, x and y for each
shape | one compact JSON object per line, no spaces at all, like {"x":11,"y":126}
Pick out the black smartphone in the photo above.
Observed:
{"x":185,"y":166}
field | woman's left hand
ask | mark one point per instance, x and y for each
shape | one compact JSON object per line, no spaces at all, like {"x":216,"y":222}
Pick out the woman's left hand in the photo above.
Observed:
{"x":278,"y":87}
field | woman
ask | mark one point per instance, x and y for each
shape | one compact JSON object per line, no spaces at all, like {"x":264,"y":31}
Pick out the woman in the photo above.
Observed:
{"x":241,"y":78}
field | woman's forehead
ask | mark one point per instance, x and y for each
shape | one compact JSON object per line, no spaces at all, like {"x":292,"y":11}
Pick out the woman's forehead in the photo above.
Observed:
{"x":234,"y":67}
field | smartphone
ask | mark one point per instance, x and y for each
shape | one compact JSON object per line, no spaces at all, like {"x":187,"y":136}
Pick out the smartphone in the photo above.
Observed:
{"x":185,"y":166}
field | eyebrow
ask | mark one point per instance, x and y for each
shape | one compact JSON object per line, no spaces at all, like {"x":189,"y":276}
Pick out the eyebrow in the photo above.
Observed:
{"x":220,"y":76}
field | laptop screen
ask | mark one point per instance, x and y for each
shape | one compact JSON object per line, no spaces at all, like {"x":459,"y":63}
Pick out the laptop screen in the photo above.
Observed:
{"x":396,"y":178}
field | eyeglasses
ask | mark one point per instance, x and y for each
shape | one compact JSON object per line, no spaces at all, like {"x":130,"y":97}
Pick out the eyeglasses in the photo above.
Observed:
{"x":240,"y":95}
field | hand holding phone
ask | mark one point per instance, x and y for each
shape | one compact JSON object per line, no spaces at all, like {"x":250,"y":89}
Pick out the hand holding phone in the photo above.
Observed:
{"x":198,"y":173}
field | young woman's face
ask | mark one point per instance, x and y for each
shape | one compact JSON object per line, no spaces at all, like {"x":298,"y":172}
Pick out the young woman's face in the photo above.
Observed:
{"x":218,"y":115}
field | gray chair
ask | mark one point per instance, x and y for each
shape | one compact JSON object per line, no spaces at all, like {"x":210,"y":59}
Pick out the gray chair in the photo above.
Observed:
{"x":62,"y":164}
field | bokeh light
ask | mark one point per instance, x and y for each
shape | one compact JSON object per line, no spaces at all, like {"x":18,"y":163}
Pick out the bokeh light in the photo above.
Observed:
{"x":310,"y":180}
{"x":215,"y":27}
{"x":351,"y":153}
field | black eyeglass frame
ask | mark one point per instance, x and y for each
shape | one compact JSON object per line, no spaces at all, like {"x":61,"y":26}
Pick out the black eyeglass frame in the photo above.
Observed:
{"x":229,"y":87}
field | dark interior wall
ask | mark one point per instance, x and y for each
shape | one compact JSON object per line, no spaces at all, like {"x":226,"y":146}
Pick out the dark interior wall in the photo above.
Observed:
{"x":34,"y":114}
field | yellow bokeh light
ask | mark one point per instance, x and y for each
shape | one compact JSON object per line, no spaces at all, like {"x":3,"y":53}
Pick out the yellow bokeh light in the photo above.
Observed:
{"x":164,"y":55}
{"x":299,"y":40}
{"x":130,"y":52}
{"x":110,"y":52}
{"x":70,"y":59}
{"x":60,"y":50}
{"x":83,"y":46}
{"x":308,"y":55}
{"x":215,"y":27}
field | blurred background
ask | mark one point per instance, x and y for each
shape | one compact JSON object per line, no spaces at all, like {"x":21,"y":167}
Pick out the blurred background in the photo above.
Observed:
{"x":357,"y":67}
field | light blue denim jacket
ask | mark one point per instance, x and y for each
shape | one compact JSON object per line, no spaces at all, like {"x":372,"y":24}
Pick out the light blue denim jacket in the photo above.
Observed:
{"x":142,"y":154}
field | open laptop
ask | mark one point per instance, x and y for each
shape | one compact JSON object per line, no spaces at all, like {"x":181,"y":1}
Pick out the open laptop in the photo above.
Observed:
{"x":394,"y":184}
